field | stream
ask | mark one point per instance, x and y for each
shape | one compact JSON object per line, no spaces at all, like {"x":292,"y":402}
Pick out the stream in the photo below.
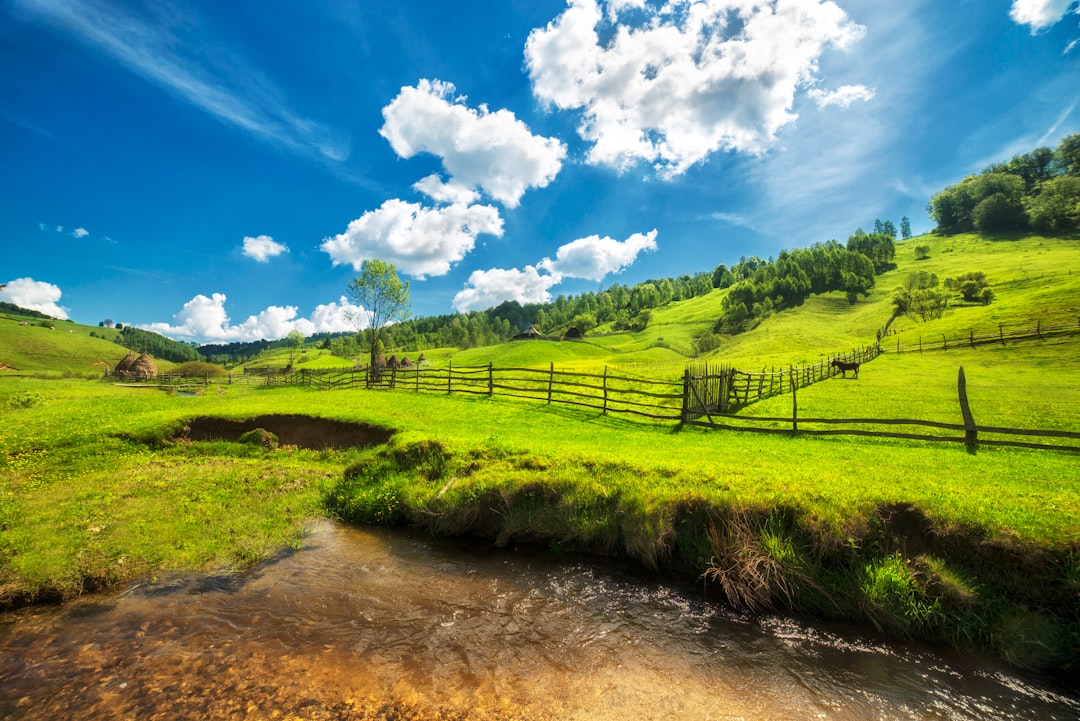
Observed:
{"x":374,"y":623}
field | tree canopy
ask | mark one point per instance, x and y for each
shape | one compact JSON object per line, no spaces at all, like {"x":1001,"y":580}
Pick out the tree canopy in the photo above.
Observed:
{"x":1039,"y":190}
{"x":383,"y":297}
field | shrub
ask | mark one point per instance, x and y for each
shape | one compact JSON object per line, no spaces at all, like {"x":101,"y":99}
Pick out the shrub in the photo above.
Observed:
{"x":199,"y":369}
{"x":707,"y":342}
{"x":24,"y":399}
{"x":260,"y":437}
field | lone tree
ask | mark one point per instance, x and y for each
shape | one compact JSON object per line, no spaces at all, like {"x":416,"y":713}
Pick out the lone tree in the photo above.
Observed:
{"x":383,"y":297}
{"x":295,"y":342}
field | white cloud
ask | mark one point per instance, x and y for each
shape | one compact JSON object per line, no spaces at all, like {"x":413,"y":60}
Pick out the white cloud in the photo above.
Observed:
{"x":420,"y":241}
{"x":262,"y":248}
{"x":591,"y":258}
{"x":205,"y":319}
{"x":492,"y":151}
{"x":434,"y":187}
{"x":594,"y":257}
{"x":34,"y":295}
{"x":689,"y":79}
{"x":80,"y":232}
{"x":1040,"y":14}
{"x":843,"y":96}
{"x":488,"y":288}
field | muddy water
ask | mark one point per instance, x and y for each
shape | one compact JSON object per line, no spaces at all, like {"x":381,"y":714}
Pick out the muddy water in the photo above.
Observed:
{"x":377,"y":624}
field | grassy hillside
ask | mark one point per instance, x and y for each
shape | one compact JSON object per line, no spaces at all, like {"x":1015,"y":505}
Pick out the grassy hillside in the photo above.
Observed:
{"x":66,"y":349}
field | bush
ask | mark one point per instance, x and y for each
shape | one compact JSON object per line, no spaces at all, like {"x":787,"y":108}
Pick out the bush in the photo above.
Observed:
{"x":24,"y":399}
{"x":199,"y":369}
{"x":260,"y":437}
{"x":707,"y":342}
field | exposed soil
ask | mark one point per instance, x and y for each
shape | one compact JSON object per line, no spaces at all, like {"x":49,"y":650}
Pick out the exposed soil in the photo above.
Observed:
{"x":293,"y":430}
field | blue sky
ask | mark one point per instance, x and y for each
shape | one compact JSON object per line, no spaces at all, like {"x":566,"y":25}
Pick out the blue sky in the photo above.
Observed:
{"x":218,"y":171}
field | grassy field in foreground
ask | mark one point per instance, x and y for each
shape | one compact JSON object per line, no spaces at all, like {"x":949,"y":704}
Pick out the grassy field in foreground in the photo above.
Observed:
{"x":93,"y":494}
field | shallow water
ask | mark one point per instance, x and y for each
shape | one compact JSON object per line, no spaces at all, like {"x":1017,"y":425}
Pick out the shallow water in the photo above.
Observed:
{"x":359,"y":617}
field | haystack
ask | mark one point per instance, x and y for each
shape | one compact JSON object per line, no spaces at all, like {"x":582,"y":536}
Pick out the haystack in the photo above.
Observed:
{"x":405,"y":362}
{"x":393,"y":362}
{"x":144,"y":366}
{"x":126,"y":365}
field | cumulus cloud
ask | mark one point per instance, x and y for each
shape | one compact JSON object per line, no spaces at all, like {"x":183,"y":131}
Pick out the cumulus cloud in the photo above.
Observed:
{"x":420,"y":241}
{"x":434,"y":187}
{"x":262,"y":248}
{"x":1040,"y":14}
{"x":591,"y":258}
{"x":594,"y":257}
{"x":686,"y":79}
{"x":492,"y":151}
{"x":843,"y":96}
{"x":205,"y":319}
{"x":80,"y":232}
{"x":34,"y":295}
{"x":487,"y":288}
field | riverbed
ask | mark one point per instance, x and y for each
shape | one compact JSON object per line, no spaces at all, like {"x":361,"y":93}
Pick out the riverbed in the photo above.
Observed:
{"x":368,"y":623}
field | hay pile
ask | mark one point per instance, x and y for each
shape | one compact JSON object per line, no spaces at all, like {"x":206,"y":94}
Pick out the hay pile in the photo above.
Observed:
{"x":132,"y":367}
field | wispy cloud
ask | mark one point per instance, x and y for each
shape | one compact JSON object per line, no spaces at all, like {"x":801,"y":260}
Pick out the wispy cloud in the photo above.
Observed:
{"x":157,"y":52}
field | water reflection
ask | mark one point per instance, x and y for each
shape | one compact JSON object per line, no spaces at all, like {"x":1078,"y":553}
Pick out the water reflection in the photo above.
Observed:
{"x":366,"y":624}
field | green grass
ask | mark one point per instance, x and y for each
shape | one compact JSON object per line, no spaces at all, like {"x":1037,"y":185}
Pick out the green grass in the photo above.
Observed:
{"x":980,"y":550}
{"x":67,"y":349}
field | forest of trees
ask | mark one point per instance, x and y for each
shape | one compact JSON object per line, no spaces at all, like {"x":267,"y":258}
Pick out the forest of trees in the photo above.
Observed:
{"x":1037,"y":191}
{"x":158,"y":346}
{"x":760,"y":287}
{"x":625,"y":307}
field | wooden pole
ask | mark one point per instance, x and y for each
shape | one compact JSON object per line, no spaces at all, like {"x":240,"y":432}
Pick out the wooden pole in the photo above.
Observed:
{"x":605,"y":390}
{"x":794,"y":407}
{"x":491,"y":379}
{"x":971,"y":434}
{"x":449,"y":375}
{"x":551,"y":379}
{"x":686,"y":394}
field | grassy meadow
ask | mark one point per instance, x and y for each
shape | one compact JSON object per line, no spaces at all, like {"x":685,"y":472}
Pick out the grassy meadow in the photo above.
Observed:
{"x":979,"y":550}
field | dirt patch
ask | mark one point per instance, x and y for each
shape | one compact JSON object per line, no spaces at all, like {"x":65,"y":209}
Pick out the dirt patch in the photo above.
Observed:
{"x":6,"y":367}
{"x":291,"y":430}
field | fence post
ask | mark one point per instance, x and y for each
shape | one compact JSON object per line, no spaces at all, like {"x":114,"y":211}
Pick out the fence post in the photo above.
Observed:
{"x":971,"y":433}
{"x":1001,"y":333}
{"x":686,"y":393}
{"x":794,"y":406}
{"x":551,"y":379}
{"x":971,"y":336}
{"x":1038,"y":329}
{"x":491,"y":380}
{"x":898,"y":345}
{"x":449,"y":375}
{"x":605,"y":391}
{"x":944,"y":342}
{"x":920,"y":344}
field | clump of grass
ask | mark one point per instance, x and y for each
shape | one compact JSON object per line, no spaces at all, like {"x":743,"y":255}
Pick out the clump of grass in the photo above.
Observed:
{"x":892,"y":597}
{"x":259,"y":437}
{"x":757,"y":561}
{"x":24,"y":399}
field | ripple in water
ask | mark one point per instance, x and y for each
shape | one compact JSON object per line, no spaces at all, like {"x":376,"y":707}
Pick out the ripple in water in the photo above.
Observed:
{"x":376,"y":624}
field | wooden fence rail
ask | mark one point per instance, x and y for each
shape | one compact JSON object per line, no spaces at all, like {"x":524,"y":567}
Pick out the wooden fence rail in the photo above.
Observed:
{"x":1002,"y":334}
{"x":718,"y":389}
{"x":972,"y":436}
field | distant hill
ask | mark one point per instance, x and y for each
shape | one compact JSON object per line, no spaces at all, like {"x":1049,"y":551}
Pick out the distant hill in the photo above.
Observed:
{"x":1032,"y":277}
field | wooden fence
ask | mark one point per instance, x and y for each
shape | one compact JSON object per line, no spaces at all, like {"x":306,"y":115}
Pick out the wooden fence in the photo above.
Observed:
{"x":971,"y":433}
{"x":722,"y":388}
{"x":987,"y":335}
